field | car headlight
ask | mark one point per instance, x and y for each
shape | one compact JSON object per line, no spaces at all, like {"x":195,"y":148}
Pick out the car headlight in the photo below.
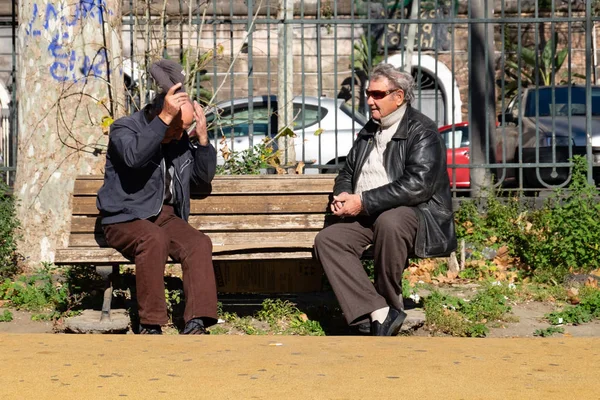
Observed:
{"x":558,"y":141}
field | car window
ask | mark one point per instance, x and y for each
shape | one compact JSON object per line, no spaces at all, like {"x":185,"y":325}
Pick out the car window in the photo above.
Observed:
{"x":560,"y":104}
{"x":457,"y":138}
{"x":237,"y":124}
{"x":307,"y":115}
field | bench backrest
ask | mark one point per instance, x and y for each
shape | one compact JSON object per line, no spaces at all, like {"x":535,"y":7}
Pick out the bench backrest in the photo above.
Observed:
{"x":247,"y":217}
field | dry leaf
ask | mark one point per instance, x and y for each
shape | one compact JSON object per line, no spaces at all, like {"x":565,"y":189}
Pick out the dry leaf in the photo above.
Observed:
{"x":300,"y":168}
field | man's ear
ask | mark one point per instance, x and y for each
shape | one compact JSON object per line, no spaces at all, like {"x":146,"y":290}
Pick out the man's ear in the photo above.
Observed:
{"x":400,"y":97}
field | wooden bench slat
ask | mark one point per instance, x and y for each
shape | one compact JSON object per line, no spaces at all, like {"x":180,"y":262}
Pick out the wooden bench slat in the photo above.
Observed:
{"x":247,"y":184}
{"x":103,"y":256}
{"x":242,"y":204}
{"x":208,"y":223}
{"x":246,"y":239}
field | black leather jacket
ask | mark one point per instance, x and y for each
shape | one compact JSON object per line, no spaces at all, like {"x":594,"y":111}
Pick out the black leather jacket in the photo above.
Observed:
{"x":415,"y":161}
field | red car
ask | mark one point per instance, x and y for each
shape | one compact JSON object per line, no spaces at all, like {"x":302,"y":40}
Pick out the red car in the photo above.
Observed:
{"x":457,"y":139}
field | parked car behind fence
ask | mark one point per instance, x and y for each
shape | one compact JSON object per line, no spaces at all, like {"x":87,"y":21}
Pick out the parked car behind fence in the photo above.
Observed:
{"x":325,"y":128}
{"x":546,"y":125}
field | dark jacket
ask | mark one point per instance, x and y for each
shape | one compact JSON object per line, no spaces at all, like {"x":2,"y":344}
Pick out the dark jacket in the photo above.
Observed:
{"x":134,"y":178}
{"x":415,"y":161}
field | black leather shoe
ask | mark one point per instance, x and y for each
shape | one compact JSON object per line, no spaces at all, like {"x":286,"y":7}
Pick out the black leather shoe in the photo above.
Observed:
{"x":150,"y":329}
{"x":195,"y":326}
{"x":392,"y":324}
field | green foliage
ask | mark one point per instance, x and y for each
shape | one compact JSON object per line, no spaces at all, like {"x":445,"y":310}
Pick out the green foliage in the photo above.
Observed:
{"x":249,"y":161}
{"x":549,"y":331}
{"x":587,"y":310}
{"x":8,"y":233}
{"x":36,"y":292}
{"x":6,"y":316}
{"x":532,"y":66}
{"x":560,"y":238}
{"x":366,"y":54}
{"x":460,"y":317}
{"x":194,"y":64}
{"x":281,"y":317}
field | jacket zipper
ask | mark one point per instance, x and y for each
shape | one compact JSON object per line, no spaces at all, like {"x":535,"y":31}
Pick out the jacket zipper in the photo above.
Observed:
{"x":162,"y":196}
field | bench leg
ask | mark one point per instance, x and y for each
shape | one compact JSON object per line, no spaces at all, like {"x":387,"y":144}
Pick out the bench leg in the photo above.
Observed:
{"x":109,"y":274}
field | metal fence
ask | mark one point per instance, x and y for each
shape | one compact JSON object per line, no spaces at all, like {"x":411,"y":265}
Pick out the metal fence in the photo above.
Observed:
{"x":8,"y":98}
{"x":511,"y":84}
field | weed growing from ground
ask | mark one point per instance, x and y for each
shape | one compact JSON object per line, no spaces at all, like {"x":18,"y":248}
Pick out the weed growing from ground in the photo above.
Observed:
{"x":587,"y":310}
{"x":460,"y":317}
{"x":551,"y":330}
{"x":6,"y":316}
{"x":8,"y":233}
{"x":275,"y":317}
{"x":36,"y":292}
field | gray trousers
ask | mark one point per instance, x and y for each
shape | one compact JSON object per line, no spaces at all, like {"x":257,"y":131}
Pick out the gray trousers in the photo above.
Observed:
{"x":339,"y":247}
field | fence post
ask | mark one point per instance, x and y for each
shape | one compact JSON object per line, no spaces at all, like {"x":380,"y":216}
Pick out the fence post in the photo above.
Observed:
{"x":482,"y":107}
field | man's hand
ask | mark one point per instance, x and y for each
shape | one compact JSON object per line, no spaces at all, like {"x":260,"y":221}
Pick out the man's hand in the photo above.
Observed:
{"x":346,"y":205}
{"x":200,"y":132}
{"x":172,"y":104}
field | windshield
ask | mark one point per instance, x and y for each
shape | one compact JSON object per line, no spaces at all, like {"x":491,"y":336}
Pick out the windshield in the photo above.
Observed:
{"x":561,"y":105}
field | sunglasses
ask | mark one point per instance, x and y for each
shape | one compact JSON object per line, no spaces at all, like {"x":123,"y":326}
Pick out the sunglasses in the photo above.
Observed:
{"x":380,"y":94}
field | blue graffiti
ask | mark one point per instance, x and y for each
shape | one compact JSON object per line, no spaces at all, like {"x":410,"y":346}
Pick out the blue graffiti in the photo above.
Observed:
{"x":68,"y":65}
{"x":29,"y":29}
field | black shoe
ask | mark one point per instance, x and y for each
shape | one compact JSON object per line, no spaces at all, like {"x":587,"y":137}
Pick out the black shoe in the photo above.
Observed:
{"x":195,"y":326}
{"x":150,"y":329}
{"x":392,"y":324}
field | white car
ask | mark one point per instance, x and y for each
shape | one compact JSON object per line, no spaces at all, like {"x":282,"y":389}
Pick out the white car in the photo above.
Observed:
{"x":325,"y":128}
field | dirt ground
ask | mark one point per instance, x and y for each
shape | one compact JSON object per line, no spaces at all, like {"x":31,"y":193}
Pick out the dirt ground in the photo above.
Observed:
{"x":322,"y":307}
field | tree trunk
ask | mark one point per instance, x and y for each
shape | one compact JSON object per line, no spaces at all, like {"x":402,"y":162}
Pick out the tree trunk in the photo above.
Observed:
{"x":70,"y":81}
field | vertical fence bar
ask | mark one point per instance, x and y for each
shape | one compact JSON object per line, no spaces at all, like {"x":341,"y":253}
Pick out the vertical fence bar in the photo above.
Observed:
{"x":588,"y":89}
{"x":14,"y":125}
{"x":249,"y":28}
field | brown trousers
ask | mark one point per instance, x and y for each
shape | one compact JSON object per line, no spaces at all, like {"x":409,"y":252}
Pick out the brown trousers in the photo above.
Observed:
{"x":340,"y":246}
{"x":149,"y":243}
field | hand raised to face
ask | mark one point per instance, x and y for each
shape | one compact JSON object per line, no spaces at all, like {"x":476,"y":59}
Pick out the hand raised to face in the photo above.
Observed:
{"x":200,"y":132}
{"x":172,"y":104}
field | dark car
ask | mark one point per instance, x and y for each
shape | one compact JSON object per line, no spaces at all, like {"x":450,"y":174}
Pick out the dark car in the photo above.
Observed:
{"x":546,"y":125}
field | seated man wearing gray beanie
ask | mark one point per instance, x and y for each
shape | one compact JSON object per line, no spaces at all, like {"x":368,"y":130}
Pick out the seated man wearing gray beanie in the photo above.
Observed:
{"x":145,"y":200}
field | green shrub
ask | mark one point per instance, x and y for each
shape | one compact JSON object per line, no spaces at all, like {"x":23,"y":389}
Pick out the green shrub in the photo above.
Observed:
{"x":560,"y":238}
{"x":247,"y":162}
{"x":566,"y":237}
{"x":8,"y":233}
{"x":36,"y":292}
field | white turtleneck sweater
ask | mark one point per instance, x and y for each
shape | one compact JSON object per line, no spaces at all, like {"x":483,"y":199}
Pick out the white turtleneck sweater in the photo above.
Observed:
{"x":373,"y":174}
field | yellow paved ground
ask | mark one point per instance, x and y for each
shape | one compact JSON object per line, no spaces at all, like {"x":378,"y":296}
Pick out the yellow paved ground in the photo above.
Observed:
{"x":284,"y":367}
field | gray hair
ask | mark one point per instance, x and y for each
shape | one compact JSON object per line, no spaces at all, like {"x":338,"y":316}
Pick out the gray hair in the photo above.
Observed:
{"x":399,"y":79}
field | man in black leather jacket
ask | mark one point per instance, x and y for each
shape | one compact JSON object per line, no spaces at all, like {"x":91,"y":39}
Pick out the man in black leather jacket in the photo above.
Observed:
{"x":145,"y":201}
{"x":394,"y":194}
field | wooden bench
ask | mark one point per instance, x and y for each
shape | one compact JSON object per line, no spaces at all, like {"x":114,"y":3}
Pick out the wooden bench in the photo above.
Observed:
{"x":262,"y":228}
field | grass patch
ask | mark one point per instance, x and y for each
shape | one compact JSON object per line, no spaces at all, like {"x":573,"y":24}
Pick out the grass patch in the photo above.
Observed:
{"x":276,"y":317}
{"x":35,"y":292}
{"x":549,"y":331}
{"x":6,"y":316}
{"x":587,"y":310}
{"x":460,"y":317}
